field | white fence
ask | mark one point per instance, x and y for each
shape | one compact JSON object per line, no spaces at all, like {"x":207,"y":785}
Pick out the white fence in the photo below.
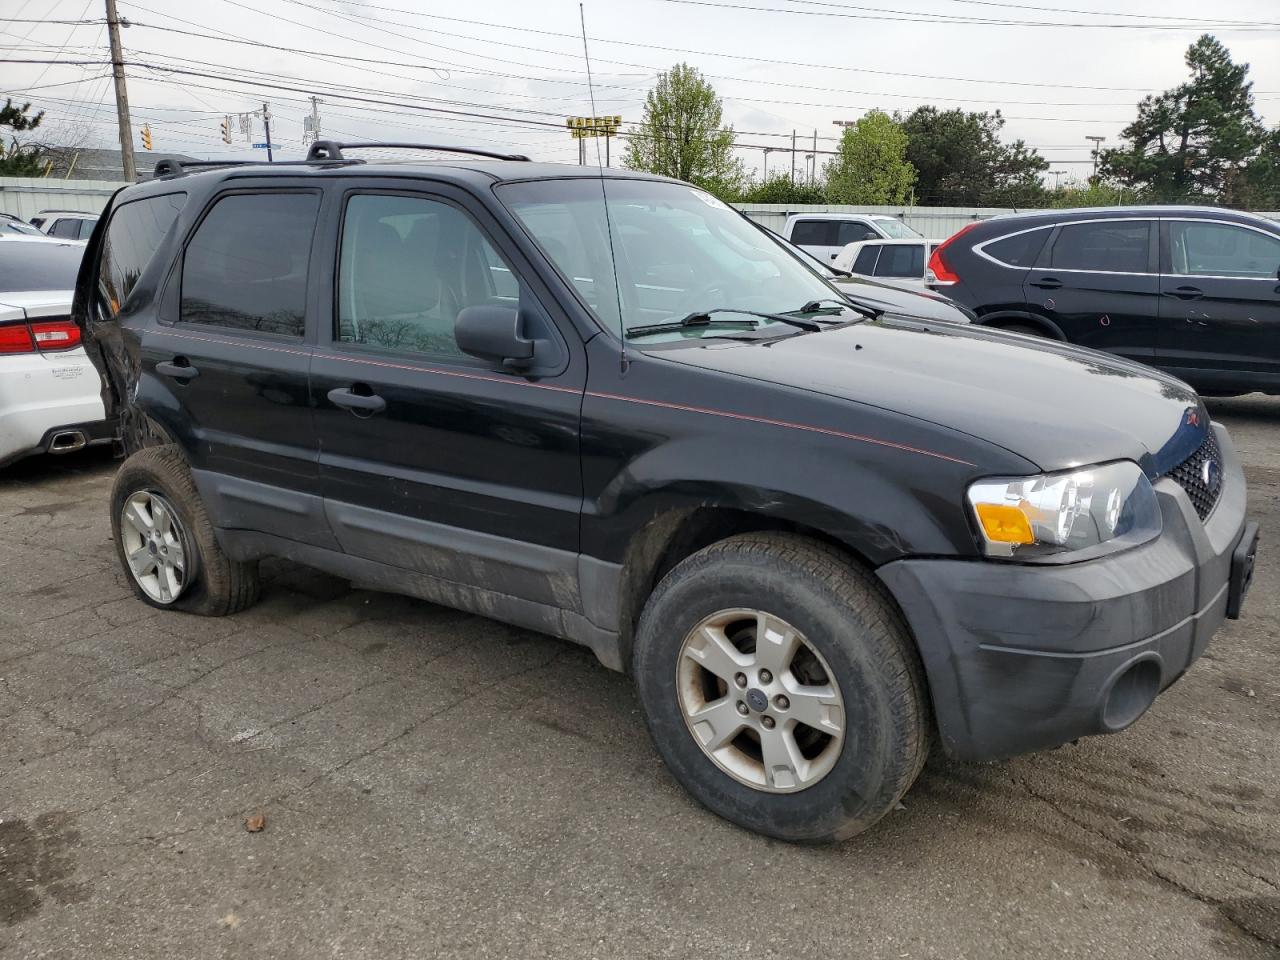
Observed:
{"x":936,"y":223}
{"x":26,"y":196}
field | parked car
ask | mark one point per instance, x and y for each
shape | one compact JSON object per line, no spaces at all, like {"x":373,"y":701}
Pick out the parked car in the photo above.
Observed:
{"x":1191,"y":290}
{"x":65,"y":224}
{"x":825,"y":234}
{"x":50,"y":393}
{"x":11,"y":224}
{"x":607,"y":408}
{"x":898,"y":263}
{"x":922,"y":304}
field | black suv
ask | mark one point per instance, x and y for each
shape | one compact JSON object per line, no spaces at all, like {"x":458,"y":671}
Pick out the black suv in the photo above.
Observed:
{"x":1191,"y":290}
{"x":605,"y":406}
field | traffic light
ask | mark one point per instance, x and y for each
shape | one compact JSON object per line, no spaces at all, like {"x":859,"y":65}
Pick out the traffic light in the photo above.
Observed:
{"x":146,"y":136}
{"x":226,"y":130}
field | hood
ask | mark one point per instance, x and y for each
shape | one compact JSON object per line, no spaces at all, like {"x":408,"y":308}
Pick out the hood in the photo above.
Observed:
{"x":1053,"y":404}
{"x":907,"y":303}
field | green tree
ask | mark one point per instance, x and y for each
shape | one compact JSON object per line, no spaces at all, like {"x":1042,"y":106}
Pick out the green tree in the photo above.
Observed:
{"x":1197,"y":140}
{"x":1262,"y":176}
{"x":780,"y":188}
{"x":870,"y":165}
{"x":1099,"y":193}
{"x":961,"y":161}
{"x":17,"y":160}
{"x":683,"y":135}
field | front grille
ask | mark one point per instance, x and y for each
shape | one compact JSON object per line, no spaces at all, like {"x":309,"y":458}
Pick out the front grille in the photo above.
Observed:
{"x":1191,"y":473}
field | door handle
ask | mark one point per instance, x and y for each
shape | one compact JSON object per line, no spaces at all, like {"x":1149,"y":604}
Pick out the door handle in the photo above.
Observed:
{"x":179,"y":368}
{"x":1185,"y":293}
{"x":1047,"y":283}
{"x":361,"y":404}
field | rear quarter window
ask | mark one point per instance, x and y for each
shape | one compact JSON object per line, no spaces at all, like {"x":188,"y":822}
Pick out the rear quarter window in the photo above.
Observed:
{"x":814,"y":233}
{"x":1019,"y":250}
{"x":132,"y":239}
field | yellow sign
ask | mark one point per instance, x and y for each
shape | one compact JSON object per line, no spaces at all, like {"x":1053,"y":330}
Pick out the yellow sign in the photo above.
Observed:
{"x":581,"y":128}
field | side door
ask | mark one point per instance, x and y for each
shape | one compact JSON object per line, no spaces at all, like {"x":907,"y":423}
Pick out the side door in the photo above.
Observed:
{"x":1220,"y":302}
{"x":1097,"y":281}
{"x":431,"y":460}
{"x":817,"y":237}
{"x":225,"y":369}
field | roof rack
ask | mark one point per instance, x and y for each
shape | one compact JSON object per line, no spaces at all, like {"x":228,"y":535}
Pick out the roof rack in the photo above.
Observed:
{"x":176,"y":168}
{"x":332,"y":150}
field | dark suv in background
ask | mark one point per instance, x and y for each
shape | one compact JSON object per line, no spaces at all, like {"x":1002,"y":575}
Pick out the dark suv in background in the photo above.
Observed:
{"x":1191,"y":290}
{"x":607,"y":407}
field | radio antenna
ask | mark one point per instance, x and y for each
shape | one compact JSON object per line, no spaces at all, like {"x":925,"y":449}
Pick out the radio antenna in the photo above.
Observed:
{"x":604,"y":193}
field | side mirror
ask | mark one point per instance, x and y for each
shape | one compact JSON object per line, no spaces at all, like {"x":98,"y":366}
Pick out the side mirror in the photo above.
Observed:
{"x":493,"y":333}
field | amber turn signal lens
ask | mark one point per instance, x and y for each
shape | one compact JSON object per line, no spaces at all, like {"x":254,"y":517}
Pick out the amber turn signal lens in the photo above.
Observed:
{"x":1003,"y":523}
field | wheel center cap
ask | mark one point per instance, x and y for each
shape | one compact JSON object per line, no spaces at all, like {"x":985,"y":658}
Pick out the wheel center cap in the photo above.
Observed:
{"x":151,"y":547}
{"x":757,"y":700}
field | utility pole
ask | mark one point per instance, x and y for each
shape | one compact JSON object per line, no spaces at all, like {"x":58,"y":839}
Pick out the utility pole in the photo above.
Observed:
{"x":814,"y":173}
{"x":1057,"y":178}
{"x":1097,"y":149}
{"x":311,"y":124}
{"x":122,"y":95}
{"x":767,"y":150}
{"x":793,"y":156}
{"x":266,"y":126}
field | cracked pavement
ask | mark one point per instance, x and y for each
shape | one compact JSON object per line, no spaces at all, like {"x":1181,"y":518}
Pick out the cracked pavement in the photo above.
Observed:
{"x":435,"y":784}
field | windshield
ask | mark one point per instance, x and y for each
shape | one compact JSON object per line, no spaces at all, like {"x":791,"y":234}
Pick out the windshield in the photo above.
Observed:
{"x":895,"y":229}
{"x":678,"y":251}
{"x":38,"y":265}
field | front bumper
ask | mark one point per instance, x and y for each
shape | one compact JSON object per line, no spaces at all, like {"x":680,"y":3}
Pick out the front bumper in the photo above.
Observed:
{"x":1023,"y":657}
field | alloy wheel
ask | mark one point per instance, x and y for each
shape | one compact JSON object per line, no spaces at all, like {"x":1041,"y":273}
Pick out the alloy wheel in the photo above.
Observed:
{"x":760,"y":700}
{"x":154,"y":546}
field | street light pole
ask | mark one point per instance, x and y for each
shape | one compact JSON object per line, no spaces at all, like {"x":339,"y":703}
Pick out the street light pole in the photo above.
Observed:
{"x":1097,"y":149}
{"x":1057,"y":178}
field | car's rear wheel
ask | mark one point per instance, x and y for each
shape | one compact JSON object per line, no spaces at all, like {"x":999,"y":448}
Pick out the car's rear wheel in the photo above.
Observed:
{"x":166,"y":543}
{"x":782,"y":688}
{"x":1025,"y":329}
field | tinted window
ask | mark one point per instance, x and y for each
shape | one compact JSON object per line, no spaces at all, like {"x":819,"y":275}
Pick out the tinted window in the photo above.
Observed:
{"x":1019,"y":250}
{"x":67,"y":228}
{"x":133,"y":236}
{"x":38,"y":265}
{"x":1113,"y":246}
{"x":408,"y":267}
{"x":901,"y":260}
{"x":814,"y":233}
{"x":1222,"y":250}
{"x":866,"y":262}
{"x":851,"y":232}
{"x":86,"y":228}
{"x":246,"y":266}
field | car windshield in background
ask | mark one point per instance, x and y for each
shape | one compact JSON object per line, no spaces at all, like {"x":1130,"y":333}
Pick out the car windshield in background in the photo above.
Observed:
{"x":896,"y":229}
{"x":38,"y":265}
{"x":678,"y":250}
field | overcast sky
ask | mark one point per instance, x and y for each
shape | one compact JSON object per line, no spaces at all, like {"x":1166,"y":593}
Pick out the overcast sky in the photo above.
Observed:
{"x":520,"y":64}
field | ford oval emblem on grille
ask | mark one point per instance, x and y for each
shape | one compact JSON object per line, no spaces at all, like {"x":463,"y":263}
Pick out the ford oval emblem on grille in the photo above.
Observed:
{"x":1210,"y":473}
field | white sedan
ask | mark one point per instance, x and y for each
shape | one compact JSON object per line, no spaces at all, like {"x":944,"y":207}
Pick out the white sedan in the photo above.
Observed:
{"x":50,"y":393}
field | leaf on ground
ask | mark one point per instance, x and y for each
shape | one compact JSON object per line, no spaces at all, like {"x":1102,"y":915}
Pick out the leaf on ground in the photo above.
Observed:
{"x":255,"y":823}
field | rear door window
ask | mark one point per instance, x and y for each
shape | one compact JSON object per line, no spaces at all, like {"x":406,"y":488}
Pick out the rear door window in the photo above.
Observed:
{"x":67,"y":228}
{"x":246,"y":266}
{"x":133,"y":236}
{"x":86,"y":228}
{"x":1105,"y":246}
{"x":814,"y":233}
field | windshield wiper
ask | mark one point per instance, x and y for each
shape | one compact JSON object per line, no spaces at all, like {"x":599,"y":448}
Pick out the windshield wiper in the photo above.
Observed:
{"x":813,"y":306}
{"x":702,"y":318}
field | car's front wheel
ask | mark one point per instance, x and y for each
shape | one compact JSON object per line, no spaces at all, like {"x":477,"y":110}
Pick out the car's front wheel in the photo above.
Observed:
{"x":782,"y":688}
{"x":166,"y":543}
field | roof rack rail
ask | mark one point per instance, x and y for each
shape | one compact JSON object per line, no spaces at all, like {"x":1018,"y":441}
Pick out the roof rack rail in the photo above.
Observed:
{"x":176,"y":168}
{"x":332,"y":150}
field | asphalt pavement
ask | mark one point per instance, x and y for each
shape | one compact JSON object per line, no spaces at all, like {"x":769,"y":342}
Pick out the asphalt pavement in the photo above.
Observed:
{"x":438,"y":785}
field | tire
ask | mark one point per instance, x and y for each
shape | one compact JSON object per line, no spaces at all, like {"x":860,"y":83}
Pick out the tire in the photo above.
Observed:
{"x":202,"y":580}
{"x":859,"y":641}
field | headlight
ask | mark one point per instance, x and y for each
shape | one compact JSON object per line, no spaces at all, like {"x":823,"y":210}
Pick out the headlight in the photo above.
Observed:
{"x":1059,"y":513}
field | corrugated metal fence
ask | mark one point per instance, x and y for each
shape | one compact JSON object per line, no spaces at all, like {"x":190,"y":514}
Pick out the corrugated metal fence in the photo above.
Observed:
{"x":26,"y":196}
{"x":936,"y":223}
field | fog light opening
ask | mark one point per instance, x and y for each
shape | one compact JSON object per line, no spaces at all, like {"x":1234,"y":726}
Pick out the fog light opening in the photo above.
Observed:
{"x":1131,"y":694}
